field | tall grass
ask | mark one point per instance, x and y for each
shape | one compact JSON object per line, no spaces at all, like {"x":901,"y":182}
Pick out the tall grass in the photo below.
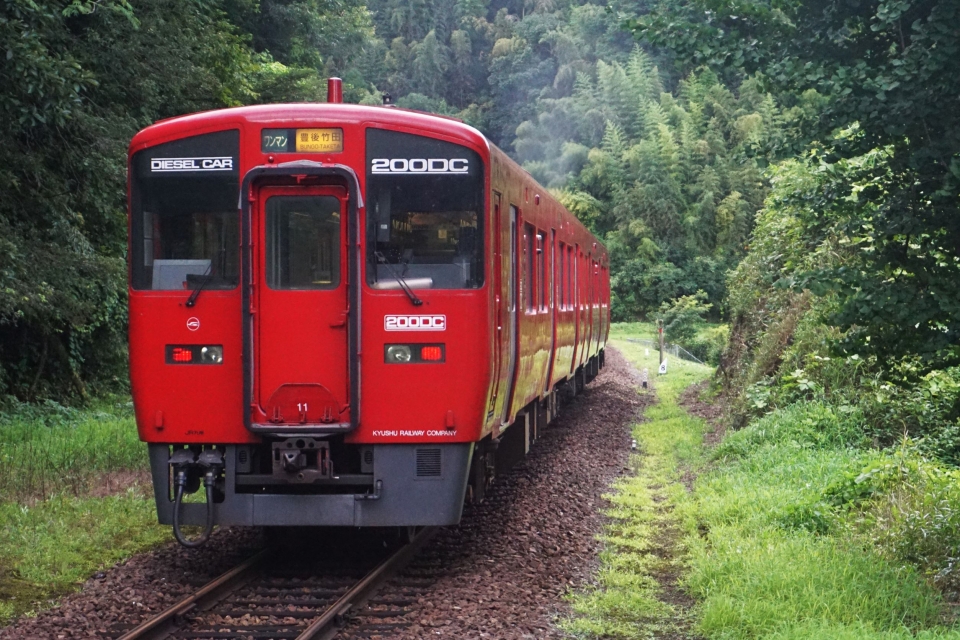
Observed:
{"x":50,"y":449}
{"x":53,"y":535}
{"x":783,"y":551}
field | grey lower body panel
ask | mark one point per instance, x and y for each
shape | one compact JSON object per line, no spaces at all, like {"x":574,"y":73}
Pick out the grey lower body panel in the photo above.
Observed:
{"x":405,"y":499}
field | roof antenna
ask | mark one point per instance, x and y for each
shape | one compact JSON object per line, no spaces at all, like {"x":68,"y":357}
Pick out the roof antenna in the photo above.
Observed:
{"x":334,"y":90}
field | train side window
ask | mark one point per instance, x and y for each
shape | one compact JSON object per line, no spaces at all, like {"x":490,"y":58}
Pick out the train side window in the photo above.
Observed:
{"x":588,"y":281}
{"x":553,"y":265}
{"x":542,"y":270}
{"x":512,"y":257}
{"x":604,"y":283}
{"x":576,"y":276}
{"x":561,"y":279}
{"x":596,"y":282}
{"x":529,"y":258}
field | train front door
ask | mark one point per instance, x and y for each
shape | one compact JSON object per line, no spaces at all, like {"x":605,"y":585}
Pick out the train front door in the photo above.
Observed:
{"x":301,"y":371}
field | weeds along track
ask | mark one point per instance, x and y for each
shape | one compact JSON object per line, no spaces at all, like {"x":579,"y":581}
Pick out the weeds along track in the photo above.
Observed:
{"x":279,"y":593}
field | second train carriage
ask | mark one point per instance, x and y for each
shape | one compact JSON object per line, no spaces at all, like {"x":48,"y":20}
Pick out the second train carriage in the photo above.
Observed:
{"x":346,"y":315}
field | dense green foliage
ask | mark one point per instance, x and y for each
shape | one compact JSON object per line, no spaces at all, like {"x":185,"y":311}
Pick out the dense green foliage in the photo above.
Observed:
{"x":669,"y":176}
{"x":488,"y":61}
{"x":671,"y":181}
{"x":79,"y":79}
{"x":890,"y":70}
{"x":683,"y":318}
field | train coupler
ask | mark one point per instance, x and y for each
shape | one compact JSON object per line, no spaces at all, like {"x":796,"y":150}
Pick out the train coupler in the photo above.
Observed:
{"x":302,"y":460}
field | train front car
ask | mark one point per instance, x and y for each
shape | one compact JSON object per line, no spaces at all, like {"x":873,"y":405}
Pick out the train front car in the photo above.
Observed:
{"x":309,"y":320}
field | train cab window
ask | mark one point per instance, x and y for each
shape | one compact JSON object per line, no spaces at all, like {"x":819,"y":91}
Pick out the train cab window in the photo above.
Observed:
{"x":303,"y":242}
{"x":424,"y":212}
{"x":185,"y":227}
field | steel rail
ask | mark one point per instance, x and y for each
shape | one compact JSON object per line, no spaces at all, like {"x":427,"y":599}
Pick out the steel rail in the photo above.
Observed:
{"x":162,"y":624}
{"x":360,"y":591}
{"x":165,"y":623}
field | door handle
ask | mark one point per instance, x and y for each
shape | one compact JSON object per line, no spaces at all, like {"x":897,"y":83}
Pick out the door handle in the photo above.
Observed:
{"x":342,"y":322}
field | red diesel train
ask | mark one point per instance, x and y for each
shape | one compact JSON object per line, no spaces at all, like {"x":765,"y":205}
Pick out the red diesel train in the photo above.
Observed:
{"x":346,"y":315}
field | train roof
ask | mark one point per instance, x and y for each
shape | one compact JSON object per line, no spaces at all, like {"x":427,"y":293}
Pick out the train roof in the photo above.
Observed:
{"x":309,"y":113}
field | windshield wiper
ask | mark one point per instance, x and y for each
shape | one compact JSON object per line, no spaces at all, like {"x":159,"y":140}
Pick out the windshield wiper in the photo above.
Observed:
{"x":207,"y":276}
{"x":403,"y":283}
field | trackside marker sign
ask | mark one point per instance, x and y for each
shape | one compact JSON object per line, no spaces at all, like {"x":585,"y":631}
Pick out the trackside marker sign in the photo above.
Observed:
{"x":415,"y":323}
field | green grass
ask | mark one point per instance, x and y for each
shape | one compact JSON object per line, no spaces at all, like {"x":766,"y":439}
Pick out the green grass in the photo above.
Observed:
{"x":50,"y":549}
{"x":757,"y":542}
{"x":49,"y":449}
{"x":636,"y":330}
{"x":53,"y":534}
{"x":643,"y":543}
{"x":772,"y":559}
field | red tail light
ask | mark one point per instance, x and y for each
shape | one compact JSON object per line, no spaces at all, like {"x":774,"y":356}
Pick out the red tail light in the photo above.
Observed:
{"x":182,"y":355}
{"x":431,"y":354}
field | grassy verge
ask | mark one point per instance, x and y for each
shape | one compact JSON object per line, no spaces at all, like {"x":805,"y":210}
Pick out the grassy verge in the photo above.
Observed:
{"x":785,"y":553}
{"x":50,"y":449}
{"x":56,"y":525}
{"x":636,"y":594}
{"x":794,"y":529}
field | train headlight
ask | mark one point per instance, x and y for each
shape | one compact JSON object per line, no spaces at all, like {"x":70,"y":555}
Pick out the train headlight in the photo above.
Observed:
{"x":211,"y":355}
{"x":399,"y":354}
{"x":414,"y":353}
{"x":194,"y":354}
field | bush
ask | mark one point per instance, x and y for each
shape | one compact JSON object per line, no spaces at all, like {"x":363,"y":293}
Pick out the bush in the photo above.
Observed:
{"x":908,"y":506}
{"x":924,"y":408}
{"x":807,"y":425}
{"x":709,"y":343}
{"x":683,"y":317}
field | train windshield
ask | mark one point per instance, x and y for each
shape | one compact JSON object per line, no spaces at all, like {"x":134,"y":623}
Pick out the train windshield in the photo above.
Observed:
{"x":184,"y":218}
{"x":424,"y":213}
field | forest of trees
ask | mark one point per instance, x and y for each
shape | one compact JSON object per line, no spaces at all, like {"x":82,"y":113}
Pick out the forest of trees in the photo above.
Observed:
{"x":670,"y":127}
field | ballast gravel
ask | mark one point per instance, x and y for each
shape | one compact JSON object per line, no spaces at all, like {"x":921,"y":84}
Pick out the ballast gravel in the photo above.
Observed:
{"x":502,"y":574}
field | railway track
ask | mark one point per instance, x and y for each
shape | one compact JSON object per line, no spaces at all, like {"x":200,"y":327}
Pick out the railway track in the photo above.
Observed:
{"x":265,"y":599}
